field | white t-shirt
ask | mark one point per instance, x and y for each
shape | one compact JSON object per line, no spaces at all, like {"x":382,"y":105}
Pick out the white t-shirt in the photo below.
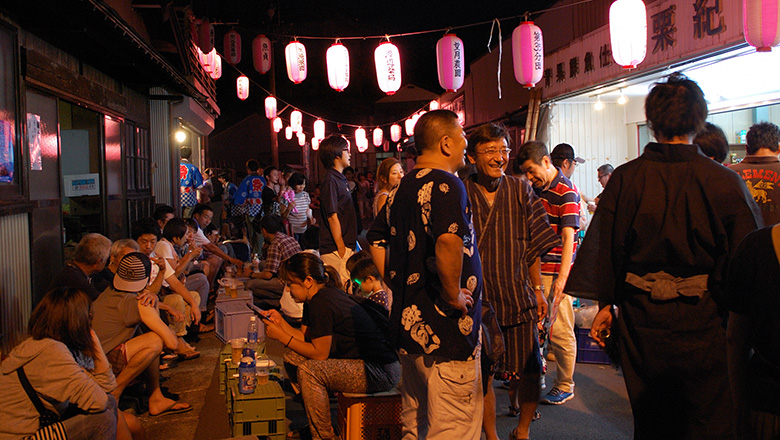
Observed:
{"x":200,"y":237}
{"x":289,"y":306}
{"x":169,"y":272}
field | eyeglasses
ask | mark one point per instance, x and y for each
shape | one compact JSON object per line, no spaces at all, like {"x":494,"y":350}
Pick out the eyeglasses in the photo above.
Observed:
{"x":495,"y":151}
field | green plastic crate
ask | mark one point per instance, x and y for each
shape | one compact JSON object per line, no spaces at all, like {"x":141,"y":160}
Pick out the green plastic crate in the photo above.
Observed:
{"x":259,"y":413}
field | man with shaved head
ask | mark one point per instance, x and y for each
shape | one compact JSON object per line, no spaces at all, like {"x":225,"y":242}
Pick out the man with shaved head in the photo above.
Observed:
{"x":436,"y":278}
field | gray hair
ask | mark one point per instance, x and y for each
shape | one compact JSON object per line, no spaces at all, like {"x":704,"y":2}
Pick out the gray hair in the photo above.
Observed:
{"x":93,"y":248}
{"x":122,"y":244}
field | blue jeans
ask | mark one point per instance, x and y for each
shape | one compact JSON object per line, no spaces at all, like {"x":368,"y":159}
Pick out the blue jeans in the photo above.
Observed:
{"x":88,"y":426}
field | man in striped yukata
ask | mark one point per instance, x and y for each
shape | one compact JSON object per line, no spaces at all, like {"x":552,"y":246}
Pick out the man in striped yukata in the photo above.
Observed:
{"x":512,"y":233}
{"x":562,"y":204}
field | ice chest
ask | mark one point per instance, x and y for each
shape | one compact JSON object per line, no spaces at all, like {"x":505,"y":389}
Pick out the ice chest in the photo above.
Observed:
{"x":232,"y":319}
{"x":370,"y":416}
{"x":588,"y":350}
{"x":260,"y":413}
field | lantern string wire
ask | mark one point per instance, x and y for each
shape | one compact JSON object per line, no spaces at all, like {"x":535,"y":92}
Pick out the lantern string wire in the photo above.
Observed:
{"x":500,"y":51}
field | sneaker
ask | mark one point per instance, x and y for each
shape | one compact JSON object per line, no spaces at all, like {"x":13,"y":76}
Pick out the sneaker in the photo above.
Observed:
{"x":556,"y":397}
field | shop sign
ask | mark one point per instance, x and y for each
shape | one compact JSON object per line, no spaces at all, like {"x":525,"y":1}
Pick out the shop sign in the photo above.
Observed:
{"x":676,"y":31}
{"x":82,"y":185}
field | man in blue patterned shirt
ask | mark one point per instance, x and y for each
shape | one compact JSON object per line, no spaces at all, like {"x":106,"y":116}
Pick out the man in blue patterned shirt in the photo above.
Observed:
{"x":190,"y":181}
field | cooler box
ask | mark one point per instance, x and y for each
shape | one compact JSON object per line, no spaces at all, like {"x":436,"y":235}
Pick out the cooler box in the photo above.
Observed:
{"x":588,"y":351}
{"x":370,"y":416}
{"x":232,"y":319}
{"x":260,"y":413}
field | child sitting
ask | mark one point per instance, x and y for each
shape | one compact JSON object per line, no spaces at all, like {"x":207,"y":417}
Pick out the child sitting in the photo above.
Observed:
{"x":366,"y":275}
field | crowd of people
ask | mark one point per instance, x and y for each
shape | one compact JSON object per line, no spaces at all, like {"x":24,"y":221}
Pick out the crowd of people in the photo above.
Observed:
{"x":406,"y":282}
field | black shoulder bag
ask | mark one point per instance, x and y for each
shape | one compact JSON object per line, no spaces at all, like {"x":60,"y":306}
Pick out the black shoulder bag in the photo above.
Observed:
{"x":50,"y":426}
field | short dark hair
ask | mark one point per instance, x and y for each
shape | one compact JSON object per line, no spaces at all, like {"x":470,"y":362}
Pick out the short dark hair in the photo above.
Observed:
{"x":272,"y":223}
{"x":763,"y":135}
{"x":431,"y":126}
{"x":675,"y":107}
{"x":175,"y":228}
{"x":64,"y":315}
{"x":145,"y":225}
{"x":201,"y":208}
{"x":533,"y":151}
{"x":297,"y":179}
{"x":365,"y":268}
{"x":191,"y":223}
{"x":185,"y":151}
{"x":268,"y":170}
{"x":161,"y":211}
{"x":713,"y":142}
{"x":605,"y":169}
{"x":489,"y":132}
{"x":223,"y":175}
{"x":252,"y":165}
{"x":332,"y":147}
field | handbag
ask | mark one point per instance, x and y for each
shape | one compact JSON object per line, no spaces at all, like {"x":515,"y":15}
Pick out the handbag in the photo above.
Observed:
{"x":492,"y":338}
{"x":50,"y":423}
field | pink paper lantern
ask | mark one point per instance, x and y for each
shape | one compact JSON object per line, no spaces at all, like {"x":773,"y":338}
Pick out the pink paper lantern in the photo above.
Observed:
{"x":288,"y":132}
{"x":277,"y":124}
{"x":528,"y":54}
{"x":761,"y":21}
{"x":232,"y":49}
{"x":338,"y":67}
{"x":295,"y":56}
{"x":262,"y":54}
{"x":388,"y":67}
{"x":206,"y":36}
{"x":296,"y":121}
{"x":242,"y":87}
{"x":270,"y":107}
{"x":216,"y":71}
{"x":208,"y":60}
{"x":628,"y":32}
{"x":395,"y":133}
{"x":379,"y":136}
{"x":319,"y":129}
{"x":449,"y":59}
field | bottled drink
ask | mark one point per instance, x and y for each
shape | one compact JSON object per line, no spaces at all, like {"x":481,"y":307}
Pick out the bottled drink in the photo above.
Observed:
{"x":251,"y":334}
{"x":255,"y":263}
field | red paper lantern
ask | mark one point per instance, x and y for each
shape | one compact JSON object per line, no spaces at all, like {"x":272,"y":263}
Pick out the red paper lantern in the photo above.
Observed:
{"x":628,"y":32}
{"x":528,"y":54}
{"x":242,"y":87}
{"x":262,"y":54}
{"x":277,"y":124}
{"x":206,"y":36}
{"x":232,"y":49}
{"x":216,"y":71}
{"x":395,"y":133}
{"x":296,"y":121}
{"x":338,"y":67}
{"x":295,"y":56}
{"x":388,"y":67}
{"x":761,"y":21}
{"x":379,"y":136}
{"x":449,"y":59}
{"x":270,"y":107}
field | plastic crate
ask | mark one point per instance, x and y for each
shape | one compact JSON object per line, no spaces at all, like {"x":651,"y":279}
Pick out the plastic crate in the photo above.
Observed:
{"x":588,"y":350}
{"x":259,"y":413}
{"x":232,"y":319}
{"x":370,"y":416}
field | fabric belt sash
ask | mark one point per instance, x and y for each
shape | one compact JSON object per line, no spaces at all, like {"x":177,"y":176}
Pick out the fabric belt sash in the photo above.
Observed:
{"x":664,"y":287}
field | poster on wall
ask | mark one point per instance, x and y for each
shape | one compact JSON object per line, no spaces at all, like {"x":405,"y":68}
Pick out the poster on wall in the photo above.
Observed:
{"x":82,"y":185}
{"x":6,"y":152}
{"x":34,"y":140}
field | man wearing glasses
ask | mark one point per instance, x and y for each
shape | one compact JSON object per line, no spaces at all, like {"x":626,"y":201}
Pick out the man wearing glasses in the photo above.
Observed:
{"x":604,"y":173}
{"x":512,"y":233}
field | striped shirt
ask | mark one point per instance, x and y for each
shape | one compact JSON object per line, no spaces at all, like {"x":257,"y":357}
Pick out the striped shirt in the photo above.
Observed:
{"x":562,"y":204}
{"x":298,"y":217}
{"x":511,"y":233}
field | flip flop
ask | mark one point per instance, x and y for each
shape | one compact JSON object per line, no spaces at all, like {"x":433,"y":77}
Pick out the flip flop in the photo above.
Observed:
{"x":190,"y":355}
{"x":203,"y":328}
{"x":172,"y":410}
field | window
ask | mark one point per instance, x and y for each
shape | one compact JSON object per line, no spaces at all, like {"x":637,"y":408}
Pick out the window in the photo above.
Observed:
{"x":10,"y":148}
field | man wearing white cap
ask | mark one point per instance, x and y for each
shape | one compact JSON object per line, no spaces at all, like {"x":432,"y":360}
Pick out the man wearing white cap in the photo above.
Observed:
{"x":117,"y":314}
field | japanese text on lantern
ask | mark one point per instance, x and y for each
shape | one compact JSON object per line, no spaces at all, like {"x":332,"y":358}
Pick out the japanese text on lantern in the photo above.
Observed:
{"x":301,"y":59}
{"x":538,"y":55}
{"x":664,"y":29}
{"x":707,"y":20}
{"x":265,"y":51}
{"x":390,"y":65}
{"x":457,"y":60}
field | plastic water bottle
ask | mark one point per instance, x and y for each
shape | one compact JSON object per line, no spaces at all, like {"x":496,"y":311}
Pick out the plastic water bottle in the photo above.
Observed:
{"x":255,"y":263}
{"x":251,"y":334}
{"x":247,"y":373}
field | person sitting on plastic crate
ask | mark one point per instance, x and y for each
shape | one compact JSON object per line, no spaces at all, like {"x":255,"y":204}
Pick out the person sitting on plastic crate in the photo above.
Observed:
{"x":341,"y":346}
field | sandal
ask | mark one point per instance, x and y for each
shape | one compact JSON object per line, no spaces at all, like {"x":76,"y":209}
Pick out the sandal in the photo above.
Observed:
{"x":513,"y":412}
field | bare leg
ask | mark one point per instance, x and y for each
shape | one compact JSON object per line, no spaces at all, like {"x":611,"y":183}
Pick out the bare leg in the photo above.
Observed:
{"x":489,"y":414}
{"x":141,"y":352}
{"x":134,"y":425}
{"x":527,"y":398}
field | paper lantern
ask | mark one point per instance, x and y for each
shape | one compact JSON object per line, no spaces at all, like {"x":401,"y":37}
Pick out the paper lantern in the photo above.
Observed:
{"x":319,"y":129}
{"x":242,"y":87}
{"x":301,"y":139}
{"x":360,"y":133}
{"x":232,"y":49}
{"x":362,"y":144}
{"x":338,"y":67}
{"x":409,"y":126}
{"x":216,"y":71}
{"x":761,"y":21}
{"x":296,"y":121}
{"x":295,"y":56}
{"x":262,"y":54}
{"x":270,"y":107}
{"x":388,"y":67}
{"x":434,"y":105}
{"x":379,"y":136}
{"x":208,"y":60}
{"x":288,"y":131}
{"x":395,"y":133}
{"x":206,"y":36}
{"x":315,"y":144}
{"x":628,"y":32}
{"x":449,"y":60}
{"x":528,"y":54}
{"x":277,"y":124}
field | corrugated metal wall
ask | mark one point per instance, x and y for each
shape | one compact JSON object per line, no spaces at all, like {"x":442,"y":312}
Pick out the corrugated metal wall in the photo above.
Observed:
{"x":161,"y":154}
{"x":599,"y":137}
{"x":15,"y":289}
